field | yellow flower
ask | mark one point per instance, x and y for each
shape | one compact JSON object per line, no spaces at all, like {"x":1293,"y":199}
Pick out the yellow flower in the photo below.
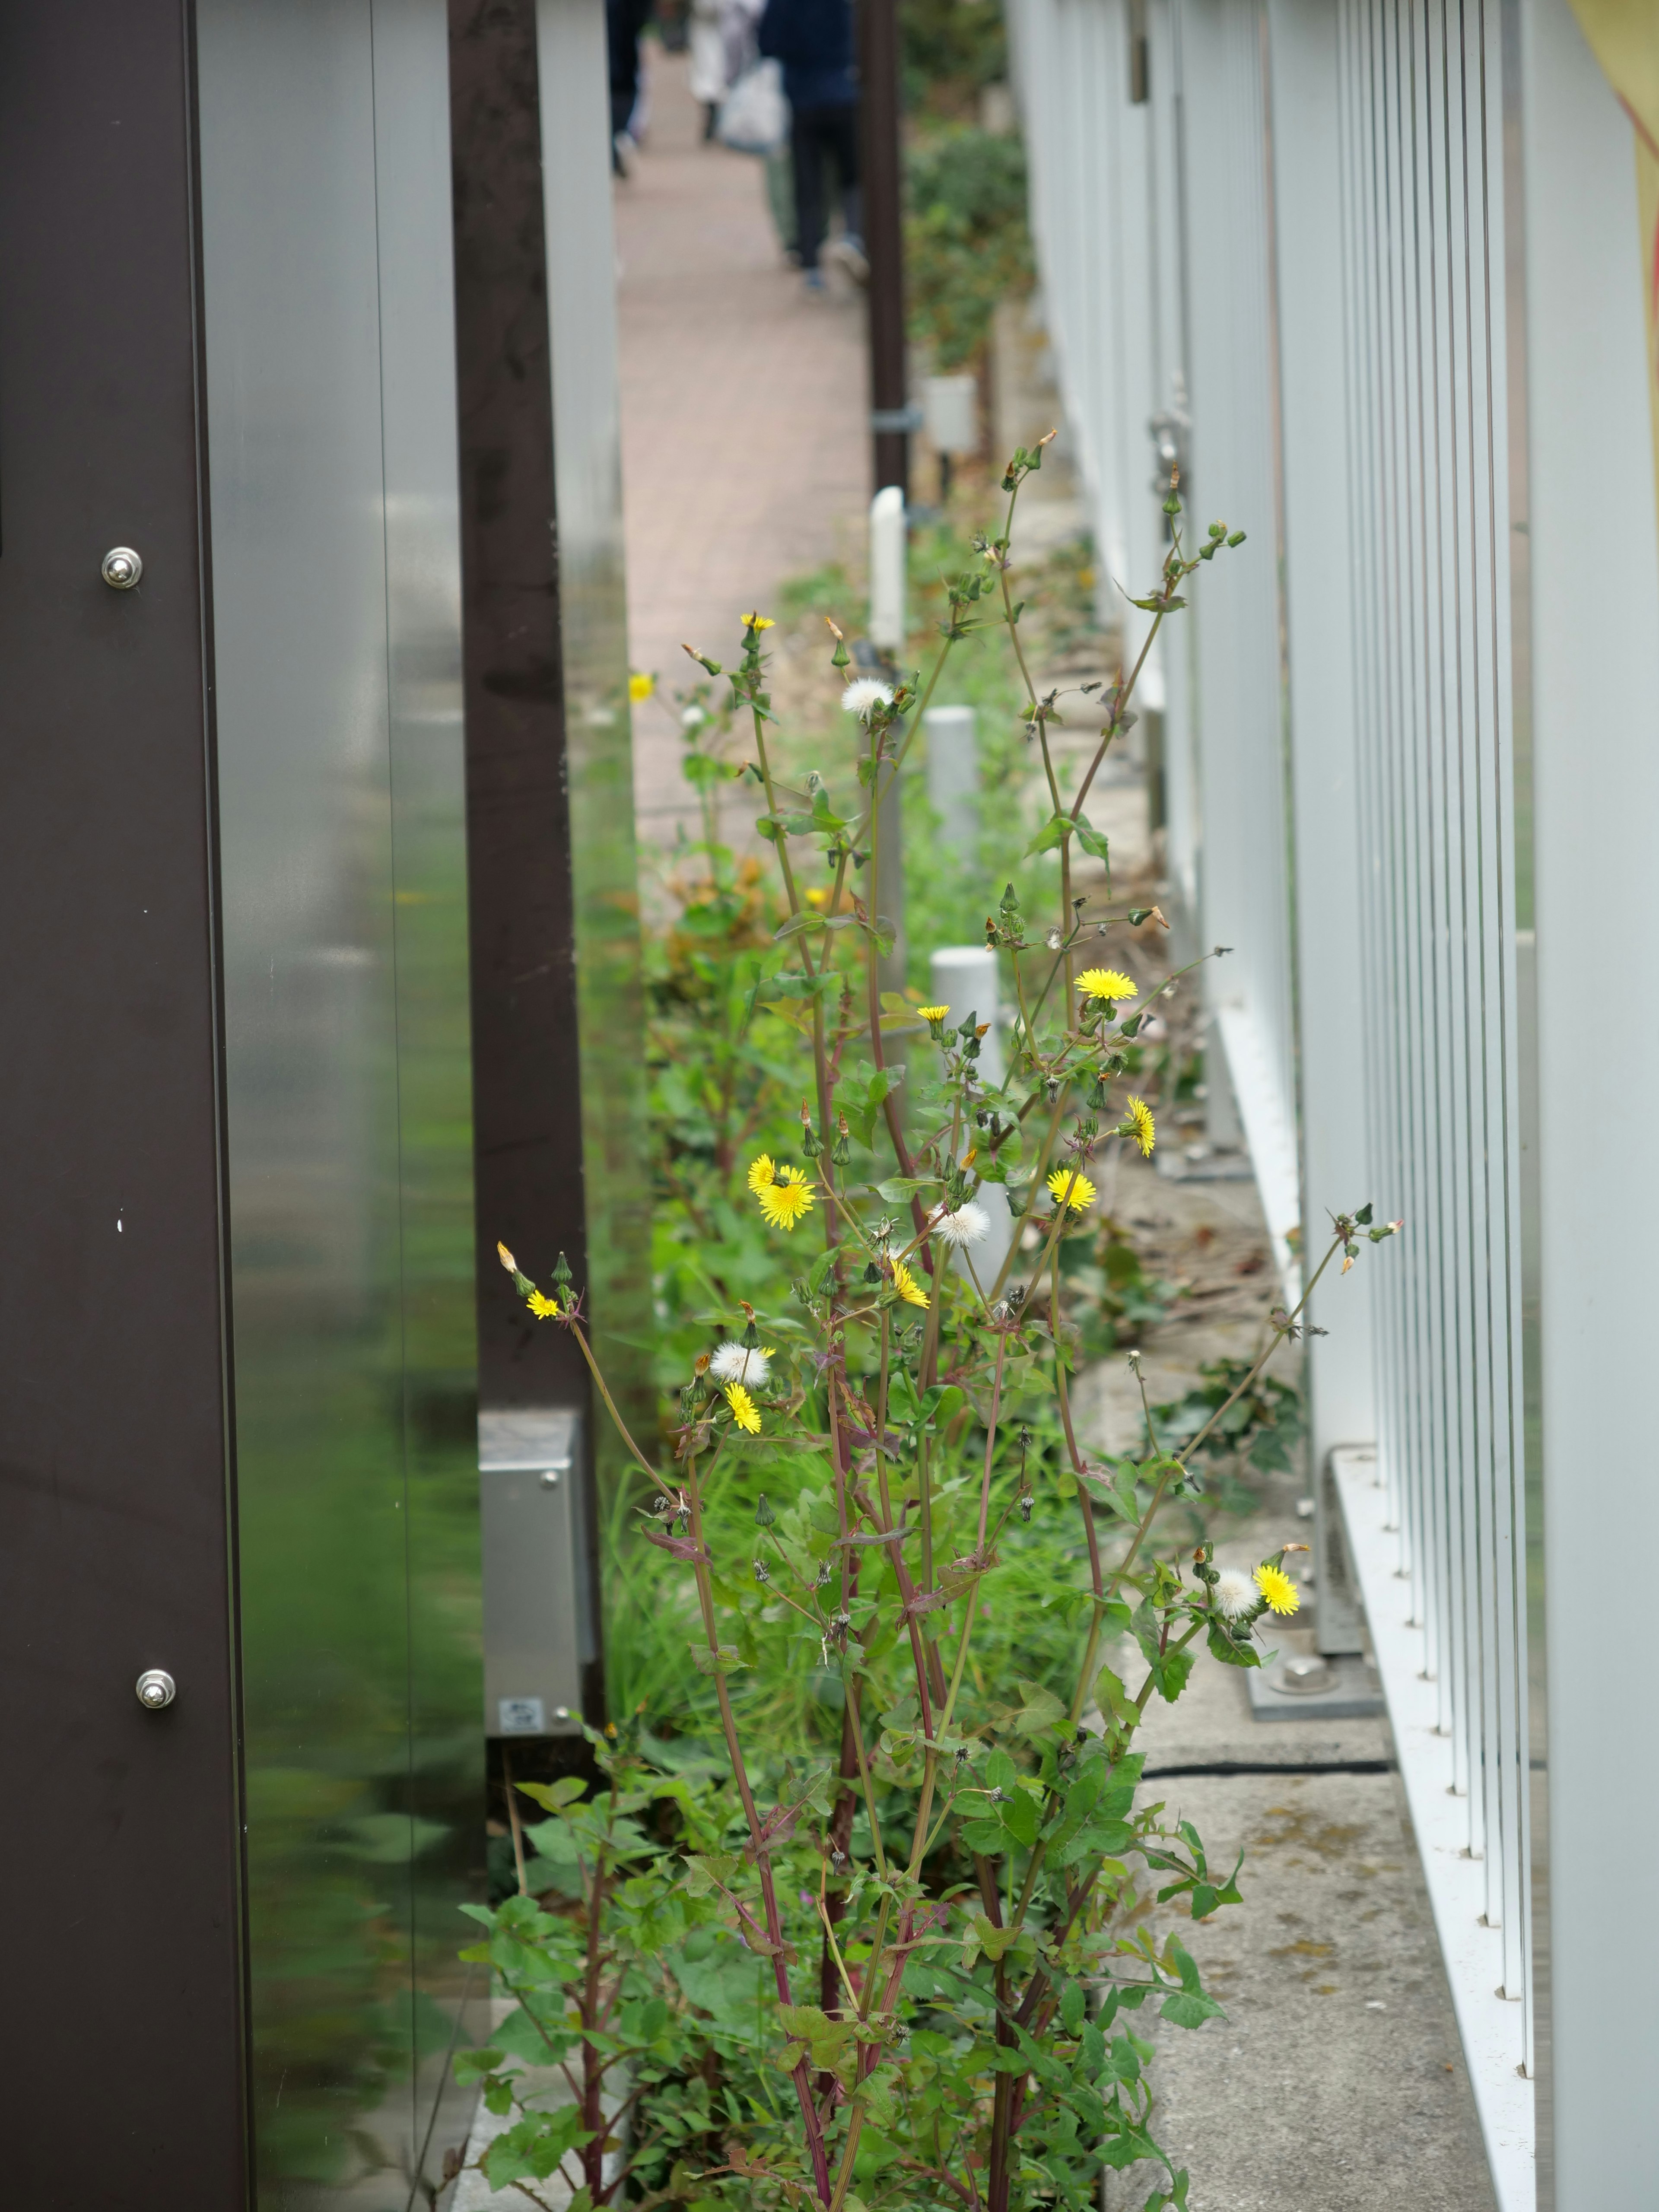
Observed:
{"x":907,"y":1285}
{"x":640,"y":686}
{"x":1276,"y":1586}
{"x":1142,"y":1128}
{"x":819,"y":897}
{"x":544,"y":1309}
{"x":1107,"y":983}
{"x":932,"y":1013}
{"x":744,"y":1412}
{"x":761,"y":1173}
{"x":786,"y":1198}
{"x":757,"y":622}
{"x":1070,"y":1188}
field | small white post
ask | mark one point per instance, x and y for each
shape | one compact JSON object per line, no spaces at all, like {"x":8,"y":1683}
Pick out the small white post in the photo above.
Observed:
{"x":887,"y":632}
{"x":964,"y":978}
{"x":887,"y":635}
{"x":953,"y":777}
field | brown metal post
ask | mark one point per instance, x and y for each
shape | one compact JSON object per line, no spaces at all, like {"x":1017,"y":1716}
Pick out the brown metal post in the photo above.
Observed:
{"x":120,"y":1829}
{"x":526,"y":1080}
{"x":883,"y":238}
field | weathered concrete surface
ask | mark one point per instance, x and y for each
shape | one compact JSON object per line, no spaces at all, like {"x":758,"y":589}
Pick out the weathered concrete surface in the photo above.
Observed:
{"x":1336,"y":2082}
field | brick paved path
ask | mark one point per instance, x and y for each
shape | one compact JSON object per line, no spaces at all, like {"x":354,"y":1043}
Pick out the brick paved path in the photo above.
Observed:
{"x":745,"y":457}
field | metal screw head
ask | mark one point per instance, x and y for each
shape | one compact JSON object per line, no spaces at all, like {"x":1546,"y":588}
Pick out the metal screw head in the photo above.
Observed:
{"x":550,"y":1478}
{"x":155,"y":1688}
{"x":121,"y":568}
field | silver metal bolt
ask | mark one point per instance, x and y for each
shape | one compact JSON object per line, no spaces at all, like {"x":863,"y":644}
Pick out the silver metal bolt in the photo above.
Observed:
{"x":550,"y":1478}
{"x":121,"y":568}
{"x":155,"y":1688}
{"x":1305,"y":1674}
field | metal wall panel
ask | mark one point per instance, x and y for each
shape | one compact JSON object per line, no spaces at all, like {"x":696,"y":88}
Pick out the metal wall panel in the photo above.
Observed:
{"x":330,"y":342}
{"x":1593,"y":701}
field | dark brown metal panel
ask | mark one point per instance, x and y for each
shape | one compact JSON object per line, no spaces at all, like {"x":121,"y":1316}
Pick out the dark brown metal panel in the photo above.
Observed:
{"x":526,"y":1087}
{"x":881,"y":162}
{"x":118,"y":1826}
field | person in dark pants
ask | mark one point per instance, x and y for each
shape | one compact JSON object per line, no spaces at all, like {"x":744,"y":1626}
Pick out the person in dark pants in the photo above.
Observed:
{"x":813,"y":40}
{"x":624,"y":20}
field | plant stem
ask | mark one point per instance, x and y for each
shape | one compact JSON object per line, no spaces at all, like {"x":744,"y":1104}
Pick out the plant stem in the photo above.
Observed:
{"x":740,"y":1775}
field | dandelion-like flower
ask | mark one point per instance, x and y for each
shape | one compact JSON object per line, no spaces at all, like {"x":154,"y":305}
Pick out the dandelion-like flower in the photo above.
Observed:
{"x":784,"y":1192}
{"x":968,"y":1224}
{"x":1236,"y":1594}
{"x":1141,"y":1126}
{"x":1069,"y":1187}
{"x":1277,"y":1587}
{"x":742,"y":1363}
{"x":863,"y":693}
{"x":744,"y":1413}
{"x":544,"y":1309}
{"x":907,"y":1285}
{"x":932,"y":1013}
{"x":758,"y":622}
{"x":640,"y":686}
{"x":1107,"y":983}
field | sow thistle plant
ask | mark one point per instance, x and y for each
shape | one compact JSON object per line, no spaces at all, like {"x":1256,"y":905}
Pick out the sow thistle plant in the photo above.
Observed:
{"x":915,"y":1978}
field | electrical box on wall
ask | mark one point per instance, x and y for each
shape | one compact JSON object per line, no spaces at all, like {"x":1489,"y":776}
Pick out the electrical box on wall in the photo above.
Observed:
{"x":537,"y":1632}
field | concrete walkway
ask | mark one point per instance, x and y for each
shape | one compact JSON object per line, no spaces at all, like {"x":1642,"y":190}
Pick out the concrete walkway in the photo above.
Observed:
{"x":746,"y":451}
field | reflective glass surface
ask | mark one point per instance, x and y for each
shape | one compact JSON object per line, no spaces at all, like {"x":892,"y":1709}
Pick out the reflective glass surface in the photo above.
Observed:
{"x":326,"y":245}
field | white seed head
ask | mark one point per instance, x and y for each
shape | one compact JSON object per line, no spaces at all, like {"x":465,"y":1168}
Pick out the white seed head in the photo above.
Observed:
{"x":738,"y":1363}
{"x":692,"y":717}
{"x":969,"y":1224}
{"x":1236,"y":1594}
{"x":863,"y":693}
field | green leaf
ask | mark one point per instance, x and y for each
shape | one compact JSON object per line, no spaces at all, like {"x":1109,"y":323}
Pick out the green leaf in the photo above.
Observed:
{"x":1092,"y":841}
{"x":534,"y":2147}
{"x":1054,"y":831}
{"x":554,"y":1796}
{"x":875,"y":2093}
{"x":1040,"y":1710}
{"x":797,"y":922}
{"x":1021,"y":1818}
{"x":1072,"y":2006}
{"x":1230,"y":1653}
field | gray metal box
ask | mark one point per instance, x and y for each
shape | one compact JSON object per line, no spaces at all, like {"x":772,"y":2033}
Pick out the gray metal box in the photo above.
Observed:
{"x":536,"y":1634}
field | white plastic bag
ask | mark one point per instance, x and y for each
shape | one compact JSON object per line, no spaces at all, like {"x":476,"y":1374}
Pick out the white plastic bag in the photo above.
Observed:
{"x":754,"y":117}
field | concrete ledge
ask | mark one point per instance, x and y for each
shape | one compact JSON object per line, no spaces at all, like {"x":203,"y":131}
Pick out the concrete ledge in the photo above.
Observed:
{"x":1490,"y":2025}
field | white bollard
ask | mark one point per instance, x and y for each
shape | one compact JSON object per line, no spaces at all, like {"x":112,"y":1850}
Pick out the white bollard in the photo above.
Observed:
{"x":887,"y":635}
{"x":953,"y":777}
{"x":887,"y":632}
{"x":964,"y":978}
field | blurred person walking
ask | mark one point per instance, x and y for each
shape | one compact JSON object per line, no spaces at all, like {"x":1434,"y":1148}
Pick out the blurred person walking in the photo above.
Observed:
{"x":710,"y":72}
{"x":813,"y":40}
{"x":624,"y":21}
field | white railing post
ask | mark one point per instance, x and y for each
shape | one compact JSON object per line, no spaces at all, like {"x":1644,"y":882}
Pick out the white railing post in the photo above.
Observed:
{"x":964,"y":978}
{"x":953,"y":777}
{"x":887,"y":635}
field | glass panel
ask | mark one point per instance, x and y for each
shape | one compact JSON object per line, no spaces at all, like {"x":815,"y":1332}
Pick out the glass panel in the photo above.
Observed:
{"x":329,"y":341}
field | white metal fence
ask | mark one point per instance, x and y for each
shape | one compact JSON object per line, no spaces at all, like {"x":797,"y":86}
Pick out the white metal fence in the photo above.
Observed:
{"x":1372,"y":268}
